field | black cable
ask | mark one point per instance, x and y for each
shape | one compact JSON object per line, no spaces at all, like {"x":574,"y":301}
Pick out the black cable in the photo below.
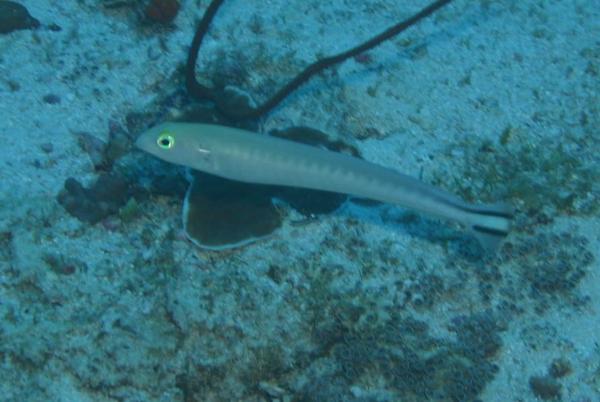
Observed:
{"x":194,"y":88}
{"x":197,"y":90}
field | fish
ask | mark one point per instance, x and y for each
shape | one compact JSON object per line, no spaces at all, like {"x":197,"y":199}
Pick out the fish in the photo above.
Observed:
{"x":245,"y":156}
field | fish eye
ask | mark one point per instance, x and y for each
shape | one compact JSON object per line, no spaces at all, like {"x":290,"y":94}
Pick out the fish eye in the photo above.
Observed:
{"x":165,"y":141}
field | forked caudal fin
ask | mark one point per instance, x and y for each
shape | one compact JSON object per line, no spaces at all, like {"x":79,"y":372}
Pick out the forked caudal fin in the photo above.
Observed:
{"x":491,"y":224}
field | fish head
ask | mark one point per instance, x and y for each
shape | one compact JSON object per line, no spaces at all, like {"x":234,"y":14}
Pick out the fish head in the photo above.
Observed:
{"x":177,"y":143}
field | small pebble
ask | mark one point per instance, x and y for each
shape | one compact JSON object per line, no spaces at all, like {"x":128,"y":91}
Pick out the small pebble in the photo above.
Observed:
{"x":13,"y":86}
{"x":61,"y":265}
{"x":93,"y":146}
{"x":51,"y":99}
{"x":270,"y":389}
{"x":47,"y":147}
{"x":545,"y":387}
{"x":560,"y":368}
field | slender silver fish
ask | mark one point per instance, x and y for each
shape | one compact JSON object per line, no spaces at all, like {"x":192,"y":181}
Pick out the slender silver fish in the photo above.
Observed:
{"x":249,"y":157}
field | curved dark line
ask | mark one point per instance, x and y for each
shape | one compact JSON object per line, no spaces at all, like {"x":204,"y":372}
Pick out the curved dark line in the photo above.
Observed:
{"x":484,"y":212}
{"x":506,"y":215}
{"x":194,"y":88}
{"x":494,"y":232}
{"x":200,"y":91}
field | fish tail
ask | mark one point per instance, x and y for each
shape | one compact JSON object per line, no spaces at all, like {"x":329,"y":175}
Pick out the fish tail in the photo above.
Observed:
{"x":490,"y":224}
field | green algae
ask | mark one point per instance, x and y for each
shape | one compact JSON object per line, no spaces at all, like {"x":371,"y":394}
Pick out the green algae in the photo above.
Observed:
{"x":364,"y":342}
{"x":539,"y":177}
{"x":130,"y":211}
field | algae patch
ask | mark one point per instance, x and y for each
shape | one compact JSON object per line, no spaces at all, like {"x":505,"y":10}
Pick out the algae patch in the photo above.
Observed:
{"x":542,"y":177}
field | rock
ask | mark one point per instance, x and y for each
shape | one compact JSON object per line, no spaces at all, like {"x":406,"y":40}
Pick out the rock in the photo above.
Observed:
{"x":104,"y":198}
{"x":14,"y":16}
{"x":162,"y":11}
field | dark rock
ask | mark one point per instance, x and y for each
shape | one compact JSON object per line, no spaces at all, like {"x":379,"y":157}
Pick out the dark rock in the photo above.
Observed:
{"x":545,"y":387}
{"x":13,"y":85}
{"x":154,"y":176}
{"x":51,"y":99}
{"x":162,"y":11}
{"x":118,"y":145}
{"x":135,"y":122}
{"x":560,"y":368}
{"x":93,"y":146}
{"x":174,"y":185}
{"x":326,"y":388}
{"x":47,"y":147}
{"x":62,"y":265}
{"x":104,"y":154}
{"x":104,"y":198}
{"x":14,"y":16}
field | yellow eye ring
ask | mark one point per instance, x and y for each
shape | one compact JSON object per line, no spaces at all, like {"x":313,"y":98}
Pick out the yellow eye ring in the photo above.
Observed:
{"x":165,"y":141}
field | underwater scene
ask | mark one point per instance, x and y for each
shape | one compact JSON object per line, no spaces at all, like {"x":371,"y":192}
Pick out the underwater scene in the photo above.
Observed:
{"x":299,"y":201}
